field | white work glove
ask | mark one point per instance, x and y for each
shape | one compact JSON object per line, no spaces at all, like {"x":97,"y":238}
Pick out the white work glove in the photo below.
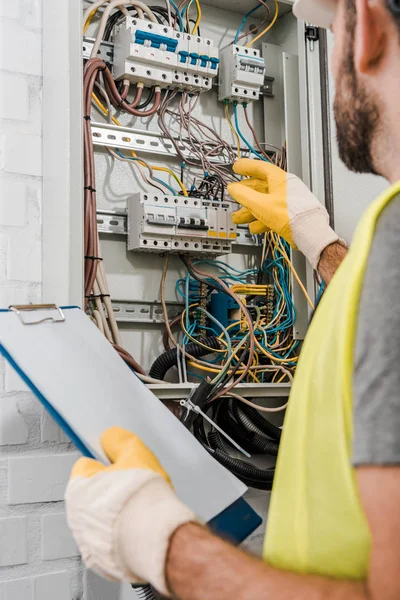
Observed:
{"x":122,"y":516}
{"x":276,"y":200}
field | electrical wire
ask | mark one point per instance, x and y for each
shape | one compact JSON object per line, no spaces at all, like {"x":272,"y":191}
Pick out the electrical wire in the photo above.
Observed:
{"x":235,"y":134}
{"x":110,"y":7}
{"x":134,"y":156}
{"x":260,"y":35}
{"x":250,"y":147}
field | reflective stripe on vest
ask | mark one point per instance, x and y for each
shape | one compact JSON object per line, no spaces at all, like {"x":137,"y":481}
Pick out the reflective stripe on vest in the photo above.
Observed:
{"x":316,"y":523}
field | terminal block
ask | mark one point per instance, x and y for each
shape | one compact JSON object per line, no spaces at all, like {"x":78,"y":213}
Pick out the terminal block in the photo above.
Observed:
{"x":241,"y":74}
{"x":179,"y":224}
{"x":158,"y":55}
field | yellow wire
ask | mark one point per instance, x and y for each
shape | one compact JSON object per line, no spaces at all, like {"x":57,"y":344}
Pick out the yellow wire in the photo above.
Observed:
{"x":194,"y":339}
{"x":235,"y":133}
{"x":133,"y":153}
{"x":267,"y":28}
{"x":303,"y":289}
{"x":187,"y":15}
{"x":90,"y":17}
{"x":196,"y":26}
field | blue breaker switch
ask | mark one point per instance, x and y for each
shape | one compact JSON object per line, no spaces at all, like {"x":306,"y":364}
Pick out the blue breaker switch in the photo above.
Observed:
{"x":214,"y":63}
{"x":156,"y":40}
{"x":183,"y":56}
{"x":194,"y":58}
{"x":204,"y":60}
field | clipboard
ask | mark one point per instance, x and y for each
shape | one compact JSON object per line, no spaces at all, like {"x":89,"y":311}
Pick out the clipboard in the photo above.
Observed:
{"x":86,"y":387}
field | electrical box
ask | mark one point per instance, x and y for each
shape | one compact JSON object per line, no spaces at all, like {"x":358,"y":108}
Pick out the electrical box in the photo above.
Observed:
{"x":241,"y":74}
{"x":159,"y":55}
{"x":179,"y":224}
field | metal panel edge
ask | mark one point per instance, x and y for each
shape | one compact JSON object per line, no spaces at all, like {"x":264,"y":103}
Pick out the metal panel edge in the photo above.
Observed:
{"x":62,"y":153}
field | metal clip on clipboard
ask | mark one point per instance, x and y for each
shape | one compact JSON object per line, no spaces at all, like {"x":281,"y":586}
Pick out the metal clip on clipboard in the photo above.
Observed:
{"x":20,"y":309}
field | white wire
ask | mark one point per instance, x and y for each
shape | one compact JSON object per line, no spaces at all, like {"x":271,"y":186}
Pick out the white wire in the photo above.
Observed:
{"x":100,"y":309}
{"x":110,"y":7}
{"x":99,"y":323}
{"x":260,"y":408}
{"x":147,"y":379}
{"x":178,"y":362}
{"x":184,"y":370}
{"x":104,"y":290}
{"x":95,"y":6}
{"x":168,"y":3}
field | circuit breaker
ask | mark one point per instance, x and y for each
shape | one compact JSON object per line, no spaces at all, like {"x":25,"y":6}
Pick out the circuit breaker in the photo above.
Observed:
{"x":159,"y":55}
{"x":241,"y":74}
{"x":179,"y":224}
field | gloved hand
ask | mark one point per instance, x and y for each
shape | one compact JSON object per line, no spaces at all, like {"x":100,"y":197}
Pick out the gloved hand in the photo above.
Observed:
{"x":276,"y":200}
{"x":122,"y":516}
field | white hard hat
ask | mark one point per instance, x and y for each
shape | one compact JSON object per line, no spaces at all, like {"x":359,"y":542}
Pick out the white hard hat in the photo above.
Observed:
{"x":317,"y":12}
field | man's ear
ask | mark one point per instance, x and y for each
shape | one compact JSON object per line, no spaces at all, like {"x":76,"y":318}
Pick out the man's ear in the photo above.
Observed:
{"x":373,"y":27}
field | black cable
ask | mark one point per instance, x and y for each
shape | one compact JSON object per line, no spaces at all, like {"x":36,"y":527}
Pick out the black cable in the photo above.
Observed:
{"x":158,"y":11}
{"x":226,"y":413}
{"x":194,"y":23}
{"x":168,"y":359}
{"x":148,"y":100}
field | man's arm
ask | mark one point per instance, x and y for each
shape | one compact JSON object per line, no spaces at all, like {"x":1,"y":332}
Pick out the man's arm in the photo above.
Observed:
{"x":331,"y":258}
{"x":200,"y":565}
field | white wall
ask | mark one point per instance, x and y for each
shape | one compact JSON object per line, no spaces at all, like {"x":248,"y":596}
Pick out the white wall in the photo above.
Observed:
{"x":38,"y":559}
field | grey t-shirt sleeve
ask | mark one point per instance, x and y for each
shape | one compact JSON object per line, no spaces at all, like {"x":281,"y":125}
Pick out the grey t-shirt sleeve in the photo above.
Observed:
{"x":376,"y":378}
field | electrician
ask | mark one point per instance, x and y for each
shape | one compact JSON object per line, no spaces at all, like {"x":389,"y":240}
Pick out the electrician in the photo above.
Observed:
{"x":334,"y":521}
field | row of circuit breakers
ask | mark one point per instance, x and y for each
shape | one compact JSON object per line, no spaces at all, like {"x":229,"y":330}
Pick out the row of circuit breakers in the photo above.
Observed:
{"x":159,"y":55}
{"x":183,"y":225}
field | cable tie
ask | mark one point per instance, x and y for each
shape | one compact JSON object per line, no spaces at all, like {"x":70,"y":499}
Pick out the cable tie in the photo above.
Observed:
{"x":93,"y":296}
{"x":93,"y":258}
{"x":87,"y":117}
{"x":90,"y":188}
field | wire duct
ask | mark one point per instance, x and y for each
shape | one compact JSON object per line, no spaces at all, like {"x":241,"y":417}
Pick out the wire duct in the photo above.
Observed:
{"x":233,"y":420}
{"x":258,"y":420}
{"x":144,"y":592}
{"x":168,"y":359}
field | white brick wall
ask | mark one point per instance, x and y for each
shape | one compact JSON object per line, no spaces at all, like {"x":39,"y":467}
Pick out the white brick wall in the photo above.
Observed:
{"x":38,"y":558}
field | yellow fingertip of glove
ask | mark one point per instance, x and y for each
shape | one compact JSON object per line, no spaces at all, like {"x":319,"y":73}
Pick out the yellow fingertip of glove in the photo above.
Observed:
{"x":87,"y":467}
{"x":242,"y":216}
{"x":242,"y":165}
{"x":113,"y":441}
{"x":257,"y":227}
{"x":127,"y":451}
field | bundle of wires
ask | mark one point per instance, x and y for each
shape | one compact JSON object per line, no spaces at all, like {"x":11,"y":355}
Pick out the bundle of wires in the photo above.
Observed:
{"x":269,"y":303}
{"x":245,"y":426}
{"x":257,"y":344}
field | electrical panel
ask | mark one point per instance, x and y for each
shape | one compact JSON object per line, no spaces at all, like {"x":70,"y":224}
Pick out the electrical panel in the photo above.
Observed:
{"x":241,"y":74}
{"x":159,"y":55}
{"x":180,"y":224}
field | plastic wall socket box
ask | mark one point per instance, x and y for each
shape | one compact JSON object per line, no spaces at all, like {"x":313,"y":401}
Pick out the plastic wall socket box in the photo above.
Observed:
{"x":158,"y":55}
{"x":179,"y":224}
{"x":241,"y":74}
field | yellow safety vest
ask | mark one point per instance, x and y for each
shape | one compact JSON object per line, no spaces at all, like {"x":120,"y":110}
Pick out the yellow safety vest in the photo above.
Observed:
{"x":316,"y":523}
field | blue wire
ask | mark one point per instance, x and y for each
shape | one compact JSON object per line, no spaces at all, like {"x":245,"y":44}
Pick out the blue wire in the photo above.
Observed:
{"x":178,"y":14}
{"x":242,"y":24}
{"x":171,"y":189}
{"x":250,"y":147}
{"x":134,"y":159}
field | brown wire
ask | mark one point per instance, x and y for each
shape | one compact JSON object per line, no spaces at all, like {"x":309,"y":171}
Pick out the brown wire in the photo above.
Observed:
{"x":128,"y":358}
{"x":165,"y":336}
{"x":91,"y":236}
{"x":260,"y":148}
{"x":120,"y":102}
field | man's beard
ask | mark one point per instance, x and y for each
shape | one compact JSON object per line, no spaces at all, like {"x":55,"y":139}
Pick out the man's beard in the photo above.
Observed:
{"x":357,"y":117}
